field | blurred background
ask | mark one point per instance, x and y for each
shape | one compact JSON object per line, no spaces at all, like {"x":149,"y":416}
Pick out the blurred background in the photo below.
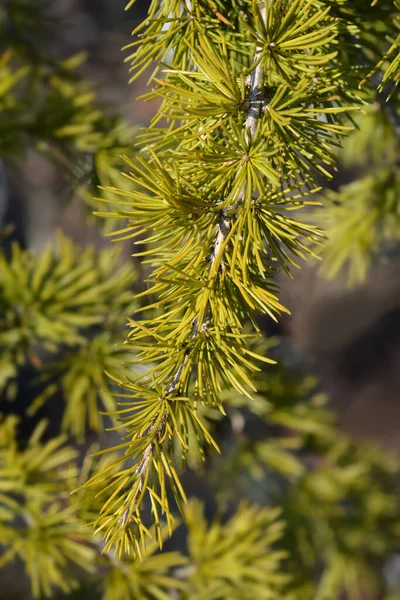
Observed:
{"x":349,"y":337}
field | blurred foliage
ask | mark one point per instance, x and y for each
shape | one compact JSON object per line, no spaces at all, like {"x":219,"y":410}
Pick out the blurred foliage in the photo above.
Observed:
{"x":363,"y":217}
{"x":42,"y":527}
{"x":37,"y":525}
{"x":70,"y":302}
{"x":46,"y":105}
{"x":390,"y":62}
{"x":333,"y":509}
{"x":235,"y":560}
{"x":340,"y":500}
{"x":343,"y":520}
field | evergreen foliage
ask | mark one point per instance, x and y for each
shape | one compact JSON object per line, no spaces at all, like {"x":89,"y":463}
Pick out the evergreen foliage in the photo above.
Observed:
{"x":45,"y":529}
{"x":334,"y":507}
{"x":69,"y":298}
{"x":258,"y":101}
{"x":362,"y":217}
{"x":390,"y":62}
{"x":256,"y":98}
{"x":47,"y":106}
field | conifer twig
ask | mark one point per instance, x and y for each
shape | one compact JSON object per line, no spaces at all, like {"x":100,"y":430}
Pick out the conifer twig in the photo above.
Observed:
{"x":250,"y":129}
{"x":225,"y":222}
{"x":197,"y":197}
{"x":224,"y":227}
